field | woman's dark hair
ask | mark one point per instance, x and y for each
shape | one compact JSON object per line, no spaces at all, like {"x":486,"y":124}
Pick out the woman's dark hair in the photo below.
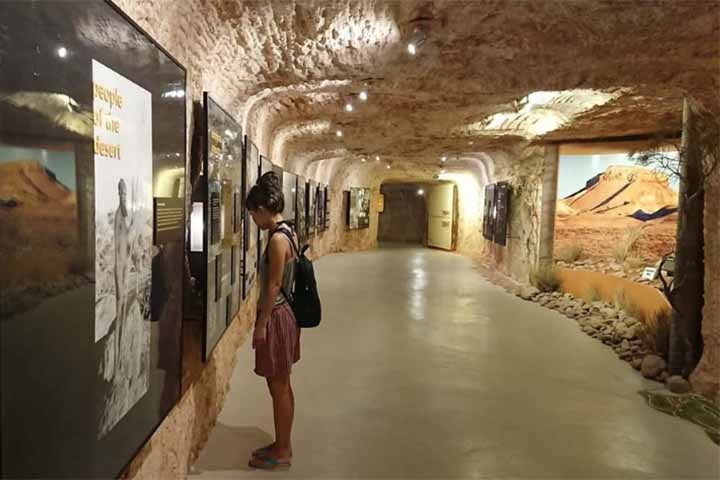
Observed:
{"x":266,"y":193}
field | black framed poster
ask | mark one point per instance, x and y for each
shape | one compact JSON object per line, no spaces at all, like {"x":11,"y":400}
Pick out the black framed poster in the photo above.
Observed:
{"x":301,"y":209}
{"x":222,"y":164}
{"x":251,"y":168}
{"x":92,"y":153}
{"x":320,"y":218}
{"x":358,"y":208}
{"x":311,"y":195}
{"x":502,"y":205}
{"x":489,"y":212}
{"x":289,"y":190}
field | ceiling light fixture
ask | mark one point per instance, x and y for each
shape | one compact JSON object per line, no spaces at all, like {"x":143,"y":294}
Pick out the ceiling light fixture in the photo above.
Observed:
{"x":363,"y":96}
{"x":443,"y":159}
{"x":421,"y":192}
{"x":416,"y":40}
{"x":348,"y":107}
{"x":363,"y":160}
{"x":377,"y":158}
{"x":388,"y":167}
{"x":62,"y":52}
{"x":339,"y":133}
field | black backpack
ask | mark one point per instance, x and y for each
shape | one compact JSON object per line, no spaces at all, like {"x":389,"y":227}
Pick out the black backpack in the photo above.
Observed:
{"x":304,"y":299}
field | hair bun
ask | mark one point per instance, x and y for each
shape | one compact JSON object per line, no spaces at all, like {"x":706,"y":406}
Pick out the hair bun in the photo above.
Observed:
{"x":270,"y":181}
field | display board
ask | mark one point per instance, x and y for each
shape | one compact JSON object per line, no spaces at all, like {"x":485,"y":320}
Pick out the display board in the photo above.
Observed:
{"x":357,"y":215}
{"x":496,"y":212}
{"x":251,"y":168}
{"x":222,"y":164}
{"x":301,"y":210}
{"x":502,"y":205}
{"x":320,"y":218}
{"x":327,"y":207}
{"x":289,"y":190}
{"x":489,"y":212}
{"x":311,"y":195}
{"x":92,"y":169}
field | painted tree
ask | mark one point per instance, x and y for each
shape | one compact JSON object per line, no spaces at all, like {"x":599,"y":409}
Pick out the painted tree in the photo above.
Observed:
{"x":693,"y":162}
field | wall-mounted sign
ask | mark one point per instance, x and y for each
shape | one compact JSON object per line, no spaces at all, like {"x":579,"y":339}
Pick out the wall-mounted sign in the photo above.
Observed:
{"x":169,"y":219}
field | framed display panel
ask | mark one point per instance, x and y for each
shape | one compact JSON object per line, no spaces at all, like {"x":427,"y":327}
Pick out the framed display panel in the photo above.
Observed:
{"x":301,"y":209}
{"x":251,"y":168}
{"x":312,"y":208}
{"x":223,"y":227}
{"x":358,"y":209}
{"x":266,"y":166}
{"x":92,"y":171}
{"x":489,"y":213}
{"x":320,"y":217}
{"x":502,"y":205}
{"x":327,"y":207}
{"x":289,"y":190}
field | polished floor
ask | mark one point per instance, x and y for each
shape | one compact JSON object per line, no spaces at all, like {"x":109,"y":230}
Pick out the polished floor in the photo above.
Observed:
{"x":422,"y":369}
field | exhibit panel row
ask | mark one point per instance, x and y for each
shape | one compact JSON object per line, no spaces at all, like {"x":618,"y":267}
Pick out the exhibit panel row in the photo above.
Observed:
{"x":496,"y":212}
{"x":92,"y":182}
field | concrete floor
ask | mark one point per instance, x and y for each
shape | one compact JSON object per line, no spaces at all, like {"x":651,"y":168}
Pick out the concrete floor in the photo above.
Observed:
{"x":421,"y":368}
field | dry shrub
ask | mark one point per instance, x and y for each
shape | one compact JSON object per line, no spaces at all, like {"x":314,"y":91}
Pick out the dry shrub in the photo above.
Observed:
{"x":633,"y":263}
{"x":593,"y":293}
{"x":655,"y":333}
{"x":570,"y":253}
{"x":625,"y":303}
{"x":545,"y":278}
{"x":627,"y":244}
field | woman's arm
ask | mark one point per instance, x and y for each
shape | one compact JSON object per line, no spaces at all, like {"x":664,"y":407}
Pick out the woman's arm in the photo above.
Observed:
{"x":277,"y":253}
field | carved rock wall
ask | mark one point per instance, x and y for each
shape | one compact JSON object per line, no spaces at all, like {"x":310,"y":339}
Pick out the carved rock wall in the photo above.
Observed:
{"x":706,"y":378}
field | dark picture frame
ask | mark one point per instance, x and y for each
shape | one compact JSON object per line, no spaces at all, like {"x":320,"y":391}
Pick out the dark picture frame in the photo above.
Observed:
{"x":68,"y":424}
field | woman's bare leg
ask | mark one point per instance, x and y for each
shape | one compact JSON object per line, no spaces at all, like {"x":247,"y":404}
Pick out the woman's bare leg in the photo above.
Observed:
{"x":283,"y":413}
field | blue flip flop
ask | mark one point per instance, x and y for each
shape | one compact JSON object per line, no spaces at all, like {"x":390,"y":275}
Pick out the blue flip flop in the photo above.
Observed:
{"x":268,"y":463}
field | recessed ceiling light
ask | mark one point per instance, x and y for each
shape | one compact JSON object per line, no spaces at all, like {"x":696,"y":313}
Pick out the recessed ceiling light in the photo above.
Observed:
{"x":411,"y":48}
{"x":348,"y":107}
{"x":377,"y":158}
{"x":388,"y":167}
{"x":62,"y":52}
{"x":421,"y":192}
{"x":363,"y":96}
{"x":362,"y":159}
{"x":470,"y":142}
{"x":444,"y":159}
{"x":338,"y":133}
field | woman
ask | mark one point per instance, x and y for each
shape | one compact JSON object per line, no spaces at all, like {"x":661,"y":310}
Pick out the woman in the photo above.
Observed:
{"x":276,"y":339}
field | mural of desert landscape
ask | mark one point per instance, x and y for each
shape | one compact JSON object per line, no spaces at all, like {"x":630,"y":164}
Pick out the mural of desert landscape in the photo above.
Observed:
{"x":613,"y":215}
{"x":508,"y":220}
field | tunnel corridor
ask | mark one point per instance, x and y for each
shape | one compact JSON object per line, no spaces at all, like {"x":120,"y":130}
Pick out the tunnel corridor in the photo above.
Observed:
{"x":422,"y":368}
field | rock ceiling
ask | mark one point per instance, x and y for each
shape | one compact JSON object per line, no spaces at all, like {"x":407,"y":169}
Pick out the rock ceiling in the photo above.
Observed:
{"x":291,"y":66}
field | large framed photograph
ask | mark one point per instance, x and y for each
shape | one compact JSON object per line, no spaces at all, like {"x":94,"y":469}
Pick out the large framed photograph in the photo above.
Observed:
{"x":222,"y":164}
{"x":502,"y":206}
{"x":358,"y":208}
{"x":301,"y":209}
{"x":489,"y":213}
{"x":320,"y":218}
{"x":311,"y":195}
{"x":289,"y":189}
{"x":251,"y":169}
{"x":92,"y":182}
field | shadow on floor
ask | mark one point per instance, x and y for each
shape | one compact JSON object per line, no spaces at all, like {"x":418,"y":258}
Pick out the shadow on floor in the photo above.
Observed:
{"x":229,"y":448}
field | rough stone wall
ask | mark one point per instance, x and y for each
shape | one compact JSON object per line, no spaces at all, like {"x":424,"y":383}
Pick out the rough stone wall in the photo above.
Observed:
{"x":706,"y":378}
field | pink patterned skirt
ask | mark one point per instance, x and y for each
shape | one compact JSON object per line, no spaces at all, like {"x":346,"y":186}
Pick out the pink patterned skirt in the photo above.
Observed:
{"x":282,"y":345}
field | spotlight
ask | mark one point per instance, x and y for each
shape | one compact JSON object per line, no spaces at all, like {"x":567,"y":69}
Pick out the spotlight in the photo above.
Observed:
{"x":421,"y":192}
{"x":362,"y":159}
{"x":388,"y":167}
{"x":338,"y":133}
{"x":363,"y":96}
{"x":348,"y":107}
{"x":416,"y":40}
{"x":377,"y":158}
{"x":62,"y":52}
{"x":443,"y":159}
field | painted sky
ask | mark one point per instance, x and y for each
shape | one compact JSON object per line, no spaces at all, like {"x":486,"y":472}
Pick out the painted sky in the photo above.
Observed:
{"x":61,"y":163}
{"x":576,"y":170}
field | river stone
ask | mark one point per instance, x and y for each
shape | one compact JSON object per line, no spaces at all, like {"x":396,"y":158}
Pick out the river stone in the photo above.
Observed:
{"x":677,"y":384}
{"x":652,"y":366}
